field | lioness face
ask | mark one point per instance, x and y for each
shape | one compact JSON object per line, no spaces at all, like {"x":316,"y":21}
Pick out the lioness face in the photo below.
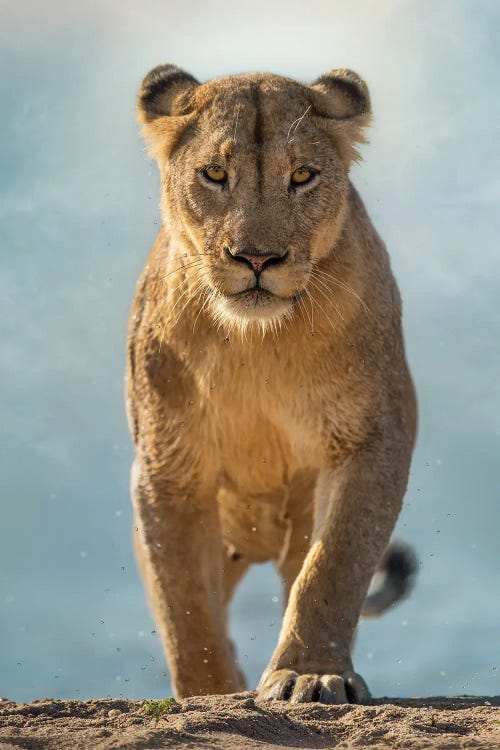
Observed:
{"x":255,"y":179}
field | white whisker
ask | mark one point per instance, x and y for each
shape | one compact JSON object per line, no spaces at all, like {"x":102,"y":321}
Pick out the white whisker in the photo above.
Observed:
{"x":236,"y":125}
{"x":296,"y":123}
{"x":322,"y":309}
{"x":348,"y":288}
{"x":311,"y":300}
{"x":326,"y":296}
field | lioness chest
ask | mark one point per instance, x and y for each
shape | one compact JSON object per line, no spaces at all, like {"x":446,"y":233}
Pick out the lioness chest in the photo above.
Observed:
{"x":260,"y":421}
{"x":264,"y":422}
{"x":268,"y":452}
{"x":260,"y":416}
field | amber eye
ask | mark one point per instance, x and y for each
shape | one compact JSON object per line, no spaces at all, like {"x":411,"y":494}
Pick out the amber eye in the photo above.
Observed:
{"x":215,"y":174}
{"x":302,"y":176}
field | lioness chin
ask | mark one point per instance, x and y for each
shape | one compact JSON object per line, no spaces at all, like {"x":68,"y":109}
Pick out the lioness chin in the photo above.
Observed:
{"x":268,"y":395}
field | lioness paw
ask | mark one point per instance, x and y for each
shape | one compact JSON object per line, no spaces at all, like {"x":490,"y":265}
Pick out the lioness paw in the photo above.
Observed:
{"x":287,"y":685}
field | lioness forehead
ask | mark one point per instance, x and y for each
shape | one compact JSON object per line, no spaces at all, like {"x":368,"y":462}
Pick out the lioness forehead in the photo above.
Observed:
{"x":255,"y":107}
{"x":258,"y":108}
{"x":246,"y":86}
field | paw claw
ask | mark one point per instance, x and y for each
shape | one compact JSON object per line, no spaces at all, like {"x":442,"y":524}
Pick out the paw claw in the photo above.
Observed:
{"x":279,"y":685}
{"x":304,"y":688}
{"x":334,"y":684}
{"x":356,"y":688}
{"x":286,"y":684}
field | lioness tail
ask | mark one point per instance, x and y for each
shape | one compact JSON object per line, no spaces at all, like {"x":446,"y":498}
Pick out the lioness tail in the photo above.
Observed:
{"x":393,"y":580}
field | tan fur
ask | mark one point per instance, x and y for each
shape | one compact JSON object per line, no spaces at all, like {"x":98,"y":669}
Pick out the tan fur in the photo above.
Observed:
{"x":272,"y":425}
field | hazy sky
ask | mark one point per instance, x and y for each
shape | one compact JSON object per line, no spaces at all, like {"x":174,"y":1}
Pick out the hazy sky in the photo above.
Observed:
{"x":78,"y":211}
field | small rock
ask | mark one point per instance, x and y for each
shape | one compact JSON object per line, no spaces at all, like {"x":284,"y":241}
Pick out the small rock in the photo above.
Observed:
{"x":6,"y":703}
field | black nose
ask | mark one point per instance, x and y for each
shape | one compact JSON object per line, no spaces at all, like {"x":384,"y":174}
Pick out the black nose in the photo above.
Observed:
{"x":258,"y":260}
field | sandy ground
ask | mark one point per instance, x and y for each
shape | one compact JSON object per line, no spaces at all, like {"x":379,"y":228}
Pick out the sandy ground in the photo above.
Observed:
{"x":237,"y":721}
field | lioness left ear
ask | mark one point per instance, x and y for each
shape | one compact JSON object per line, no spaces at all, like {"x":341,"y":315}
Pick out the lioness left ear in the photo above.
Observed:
{"x":342,"y":97}
{"x":346,"y":94}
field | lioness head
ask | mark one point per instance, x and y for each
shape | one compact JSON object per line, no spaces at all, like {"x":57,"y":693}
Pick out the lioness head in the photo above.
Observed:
{"x":254,"y":179}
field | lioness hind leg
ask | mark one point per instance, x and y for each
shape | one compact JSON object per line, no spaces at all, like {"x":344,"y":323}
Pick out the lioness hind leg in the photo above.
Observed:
{"x":234,"y":568}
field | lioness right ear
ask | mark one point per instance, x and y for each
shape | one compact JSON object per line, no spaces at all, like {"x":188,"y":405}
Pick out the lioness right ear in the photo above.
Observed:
{"x":165,"y":92}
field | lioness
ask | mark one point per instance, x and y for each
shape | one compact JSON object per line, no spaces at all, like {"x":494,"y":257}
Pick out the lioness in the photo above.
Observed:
{"x":269,"y":399}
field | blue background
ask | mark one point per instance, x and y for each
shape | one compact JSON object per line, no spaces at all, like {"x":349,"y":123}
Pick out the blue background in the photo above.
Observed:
{"x":78,"y":212}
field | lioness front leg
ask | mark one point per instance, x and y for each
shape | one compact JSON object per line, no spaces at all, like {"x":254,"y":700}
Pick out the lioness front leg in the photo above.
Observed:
{"x":356,"y":506}
{"x":180,"y":554}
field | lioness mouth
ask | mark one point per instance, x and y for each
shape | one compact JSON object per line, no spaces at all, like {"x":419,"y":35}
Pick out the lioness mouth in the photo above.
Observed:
{"x":254,"y":296}
{"x":255,"y":291}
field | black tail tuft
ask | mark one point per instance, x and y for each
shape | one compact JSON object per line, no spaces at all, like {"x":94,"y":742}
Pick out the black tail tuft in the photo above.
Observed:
{"x":393,"y":579}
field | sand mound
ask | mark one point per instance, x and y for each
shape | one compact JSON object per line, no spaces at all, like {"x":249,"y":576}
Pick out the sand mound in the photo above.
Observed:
{"x":237,"y":721}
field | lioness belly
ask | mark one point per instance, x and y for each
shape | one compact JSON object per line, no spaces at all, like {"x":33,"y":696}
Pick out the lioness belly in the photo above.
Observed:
{"x":253,"y":526}
{"x":253,"y":490}
{"x":262,"y":491}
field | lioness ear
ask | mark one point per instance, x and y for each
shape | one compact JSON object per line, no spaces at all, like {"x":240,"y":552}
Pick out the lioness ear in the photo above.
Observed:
{"x":163,"y":93}
{"x":342,"y":97}
{"x":346,"y":94}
